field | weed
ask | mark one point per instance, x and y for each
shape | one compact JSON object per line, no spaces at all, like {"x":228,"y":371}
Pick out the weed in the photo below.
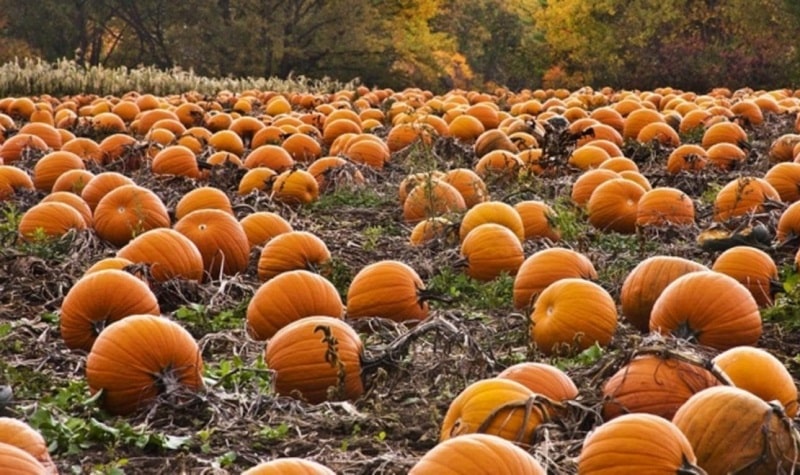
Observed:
{"x":201,"y":319}
{"x":451,"y":284}
{"x":785,"y":310}
{"x":234,"y":374}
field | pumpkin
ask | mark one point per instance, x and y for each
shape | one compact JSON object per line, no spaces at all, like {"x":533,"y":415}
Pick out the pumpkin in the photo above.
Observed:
{"x":51,"y":219}
{"x":431,"y":229}
{"x":748,"y":111}
{"x":86,"y":148}
{"x":14,"y":460}
{"x":246,"y":127}
{"x":653,"y":384}
{"x":613,"y":205}
{"x":16,"y":146}
{"x":496,"y":406}
{"x":169,"y":254}
{"x":491,"y":140}
{"x":269,"y":156}
{"x":401,"y":136}
{"x":789,"y":223}
{"x":571,"y":314}
{"x":292,"y":250}
{"x":659,"y":132}
{"x":289,"y":466}
{"x":544,"y":379}
{"x":637,"y":443}
{"x":618,"y":164}
{"x":190,"y":114}
{"x":499,"y":165}
{"x":492,"y":212}
{"x":742,"y":196}
{"x":372,"y":153}
{"x":733,"y":431}
{"x":51,"y":166}
{"x":753,"y":268}
{"x":709,"y":308}
{"x":432,"y":198}
{"x":302,"y":148}
{"x":262,"y":226}
{"x":148,"y":117}
{"x":610,"y":117}
{"x":341,"y":126}
{"x":477,"y":454}
{"x":588,"y":156}
{"x":139,"y":358}
{"x":332,"y":172}
{"x":387,"y":289}
{"x":13,"y":179}
{"x":220,"y":239}
{"x":490,"y":250}
{"x":727,"y":132}
{"x":726,"y":156}
{"x":121,"y":148}
{"x":117,"y":263}
{"x":687,"y":157}
{"x":316,"y":359}
{"x":409,"y":182}
{"x":288,"y":297}
{"x":176,"y":160}
{"x":785,"y":178}
{"x":782,"y":149}
{"x":664,"y":206}
{"x":73,"y":201}
{"x":587,"y":182}
{"x":205,"y":197}
{"x":19,"y":434}
{"x":46,"y":132}
{"x":259,"y":179}
{"x":101,"y":184}
{"x":126,"y":212}
{"x":465,"y":128}
{"x":99,"y":299}
{"x":72,"y":181}
{"x":538,"y":220}
{"x":295,"y":187}
{"x":757,"y":371}
{"x":646,"y":281}
{"x":636,"y":120}
{"x":545,"y":267}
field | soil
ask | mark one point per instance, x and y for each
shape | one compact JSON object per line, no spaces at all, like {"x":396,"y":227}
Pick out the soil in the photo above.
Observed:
{"x":237,"y":422}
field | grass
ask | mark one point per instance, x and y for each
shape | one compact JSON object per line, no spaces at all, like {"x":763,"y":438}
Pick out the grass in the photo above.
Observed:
{"x":455,"y":285}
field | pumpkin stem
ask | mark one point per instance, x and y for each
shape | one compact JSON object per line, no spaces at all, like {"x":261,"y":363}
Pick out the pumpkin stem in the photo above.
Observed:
{"x":425,"y":295}
{"x":685,"y":332}
{"x":391,"y":356}
{"x":687,"y":468}
{"x":537,"y":403}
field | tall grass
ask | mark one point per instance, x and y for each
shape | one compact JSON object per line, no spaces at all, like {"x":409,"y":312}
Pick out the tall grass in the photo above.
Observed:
{"x":23,"y":77}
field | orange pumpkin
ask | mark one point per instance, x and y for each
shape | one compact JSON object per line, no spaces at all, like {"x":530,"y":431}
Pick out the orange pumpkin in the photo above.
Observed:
{"x":15,"y":460}
{"x":139,"y":358}
{"x":687,"y":157}
{"x":664,"y":206}
{"x":432,"y":198}
{"x":169,"y":254}
{"x":289,"y":466}
{"x":646,"y":281}
{"x":204,"y":197}
{"x":292,"y":250}
{"x":15,"y":147}
{"x":127,"y":211}
{"x":176,"y":160}
{"x":785,"y":178}
{"x":731,"y":431}
{"x":13,"y":179}
{"x":496,"y":406}
{"x":538,"y":220}
{"x":587,"y":182}
{"x":660,"y":447}
{"x":492,"y":212}
{"x":50,"y":219}
{"x":727,"y":132}
{"x":753,"y":268}
{"x":220,"y":239}
{"x":709,"y":308}
{"x":542,"y":378}
{"x":653,"y":384}
{"x":99,"y":299}
{"x":256,"y":179}
{"x":262,"y":226}
{"x":387,"y":289}
{"x":295,"y":187}
{"x":545,"y":267}
{"x":74,"y":201}
{"x":742,"y":196}
{"x":490,"y":250}
{"x":22,"y":436}
{"x":613,"y":205}
{"x":72,"y":181}
{"x":588,"y":156}
{"x":51,"y":166}
{"x":333,"y":172}
{"x":477,"y":454}
{"x":101,"y":184}
{"x":269,"y":156}
{"x":316,"y":359}
{"x":572,"y":314}
{"x":288,"y":297}
{"x":659,"y":132}
{"x":789,"y":223}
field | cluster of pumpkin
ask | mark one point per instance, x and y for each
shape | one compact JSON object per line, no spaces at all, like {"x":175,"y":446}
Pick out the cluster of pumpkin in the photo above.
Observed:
{"x":288,"y":145}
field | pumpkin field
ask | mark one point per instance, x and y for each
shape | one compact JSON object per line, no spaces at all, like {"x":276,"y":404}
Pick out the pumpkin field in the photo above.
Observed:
{"x":388,"y":282}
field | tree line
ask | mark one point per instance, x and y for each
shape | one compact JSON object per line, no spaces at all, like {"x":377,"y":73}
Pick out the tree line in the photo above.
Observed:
{"x":432,"y":44}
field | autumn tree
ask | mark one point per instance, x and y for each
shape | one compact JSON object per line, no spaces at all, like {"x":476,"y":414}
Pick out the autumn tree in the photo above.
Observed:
{"x":693,"y":44}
